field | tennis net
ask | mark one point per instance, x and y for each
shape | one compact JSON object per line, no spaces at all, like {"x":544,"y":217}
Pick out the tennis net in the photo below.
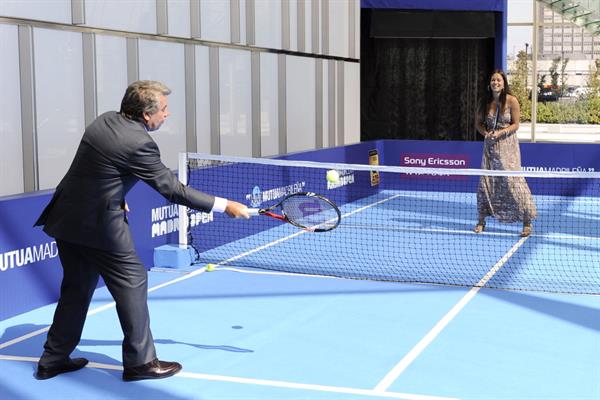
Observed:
{"x":406,"y":224}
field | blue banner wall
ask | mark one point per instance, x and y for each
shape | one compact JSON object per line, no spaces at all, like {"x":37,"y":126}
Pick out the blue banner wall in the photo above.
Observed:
{"x":456,"y":5}
{"x":30,"y":271}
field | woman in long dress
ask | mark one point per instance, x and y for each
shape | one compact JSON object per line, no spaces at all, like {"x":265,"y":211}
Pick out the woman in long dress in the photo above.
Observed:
{"x":508,"y":199}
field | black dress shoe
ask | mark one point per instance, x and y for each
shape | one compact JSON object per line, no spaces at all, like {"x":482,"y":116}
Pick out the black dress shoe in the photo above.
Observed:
{"x":72,"y":364}
{"x":155,"y":369}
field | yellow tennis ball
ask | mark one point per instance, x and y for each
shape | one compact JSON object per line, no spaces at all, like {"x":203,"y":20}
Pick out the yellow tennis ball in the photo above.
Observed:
{"x":333,"y":176}
{"x":210,"y":267}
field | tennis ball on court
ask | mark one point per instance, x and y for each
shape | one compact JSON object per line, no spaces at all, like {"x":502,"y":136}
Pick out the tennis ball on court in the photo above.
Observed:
{"x":333,"y":176}
{"x":210,"y":267}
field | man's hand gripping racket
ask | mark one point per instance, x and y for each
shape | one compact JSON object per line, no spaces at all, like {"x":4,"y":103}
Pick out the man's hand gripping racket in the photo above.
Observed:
{"x":306,"y":210}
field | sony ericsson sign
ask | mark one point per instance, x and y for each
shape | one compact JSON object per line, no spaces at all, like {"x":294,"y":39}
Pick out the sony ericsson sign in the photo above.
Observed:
{"x":258,"y":197}
{"x":27,"y":255}
{"x":434,"y":160}
{"x":165,"y":219}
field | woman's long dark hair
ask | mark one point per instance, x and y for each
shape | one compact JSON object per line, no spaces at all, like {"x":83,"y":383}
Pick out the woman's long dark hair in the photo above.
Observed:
{"x":488,"y":97}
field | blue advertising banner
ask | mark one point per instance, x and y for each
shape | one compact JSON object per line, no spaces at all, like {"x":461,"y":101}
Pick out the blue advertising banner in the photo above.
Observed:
{"x":30,"y":271}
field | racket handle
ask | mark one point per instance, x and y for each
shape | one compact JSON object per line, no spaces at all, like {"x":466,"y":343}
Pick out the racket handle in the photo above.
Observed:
{"x":253,"y":212}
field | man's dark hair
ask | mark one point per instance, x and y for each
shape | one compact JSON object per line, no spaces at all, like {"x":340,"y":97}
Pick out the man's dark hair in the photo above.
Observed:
{"x":142,"y":97}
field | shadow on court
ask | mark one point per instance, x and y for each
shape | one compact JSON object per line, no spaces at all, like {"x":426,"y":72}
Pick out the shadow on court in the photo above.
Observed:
{"x":89,"y":382}
{"x":33,"y":346}
{"x":584,"y":316}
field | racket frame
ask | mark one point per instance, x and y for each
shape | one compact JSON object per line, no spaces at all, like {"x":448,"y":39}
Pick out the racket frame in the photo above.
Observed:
{"x":282,"y":217}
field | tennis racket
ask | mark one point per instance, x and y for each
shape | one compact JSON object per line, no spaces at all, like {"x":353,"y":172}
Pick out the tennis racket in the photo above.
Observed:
{"x":304,"y":210}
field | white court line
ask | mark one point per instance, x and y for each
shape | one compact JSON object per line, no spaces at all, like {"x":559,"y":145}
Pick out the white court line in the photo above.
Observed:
{"x":395,"y":372}
{"x":261,"y":382}
{"x":468,"y":232}
{"x":24,"y":337}
{"x":305,"y":386}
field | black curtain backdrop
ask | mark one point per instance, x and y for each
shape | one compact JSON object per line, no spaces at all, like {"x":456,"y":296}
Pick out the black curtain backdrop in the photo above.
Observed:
{"x":416,"y":88}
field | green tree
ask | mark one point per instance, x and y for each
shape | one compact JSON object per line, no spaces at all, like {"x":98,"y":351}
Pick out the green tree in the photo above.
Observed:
{"x":518,"y":84}
{"x":541,"y":81}
{"x":594,"y":81}
{"x":563,"y":76}
{"x":554,"y":73}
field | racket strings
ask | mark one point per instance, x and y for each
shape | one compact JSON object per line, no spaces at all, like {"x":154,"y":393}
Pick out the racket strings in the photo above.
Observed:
{"x":310,"y":212}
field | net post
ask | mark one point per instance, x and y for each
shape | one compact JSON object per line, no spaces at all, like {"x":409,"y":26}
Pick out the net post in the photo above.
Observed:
{"x":183,"y":218}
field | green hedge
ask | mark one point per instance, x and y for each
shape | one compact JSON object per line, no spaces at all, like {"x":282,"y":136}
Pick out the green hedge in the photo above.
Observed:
{"x":578,"y":112}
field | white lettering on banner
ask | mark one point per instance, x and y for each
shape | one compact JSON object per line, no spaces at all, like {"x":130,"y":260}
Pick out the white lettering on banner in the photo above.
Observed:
{"x":412,"y":161}
{"x":446,"y":162}
{"x":558,"y":169}
{"x":164,"y":225}
{"x":164,"y":212}
{"x":257,"y":197}
{"x":434,"y":161}
{"x":27,"y":255}
{"x":346,"y":178}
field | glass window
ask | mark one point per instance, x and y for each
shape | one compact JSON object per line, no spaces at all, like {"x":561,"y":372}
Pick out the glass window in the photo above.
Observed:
{"x":126,"y":15}
{"x":300,"y":103}
{"x":215,"y":20}
{"x":203,"y":138}
{"x":164,"y":61}
{"x":11,"y":154}
{"x":269,"y":105}
{"x":267,"y":23}
{"x":235,"y":99}
{"x":351,"y":108}
{"x":111,"y":72}
{"x":60,"y":124}
{"x":338,"y":28}
{"x":179,"y":18}
{"x":43,"y":10}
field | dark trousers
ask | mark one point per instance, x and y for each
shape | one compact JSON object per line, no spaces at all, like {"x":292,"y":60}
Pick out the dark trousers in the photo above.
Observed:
{"x":126,"y":279}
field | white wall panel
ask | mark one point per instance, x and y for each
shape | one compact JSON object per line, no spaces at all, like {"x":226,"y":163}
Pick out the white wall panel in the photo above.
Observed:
{"x":59,"y":101}
{"x":243,"y":39}
{"x":300,"y":102}
{"x":357,"y":29}
{"x":338,"y":28}
{"x":351,"y":103}
{"x":202,"y":100}
{"x":308,"y":25}
{"x":215,"y":20}
{"x":164,"y":62}
{"x":11,"y":150}
{"x":111,"y":72}
{"x":179,"y":18}
{"x":235,"y":102}
{"x":293,"y":25}
{"x":326,"y":104}
{"x":268,"y":23}
{"x":269,"y":105}
{"x":126,"y":15}
{"x":43,"y":10}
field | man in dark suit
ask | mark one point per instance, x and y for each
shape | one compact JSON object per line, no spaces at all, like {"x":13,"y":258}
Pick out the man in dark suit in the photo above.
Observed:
{"x":88,"y":217}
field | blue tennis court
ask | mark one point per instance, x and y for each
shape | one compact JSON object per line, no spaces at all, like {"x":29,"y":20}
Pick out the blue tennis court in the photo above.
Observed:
{"x":252,"y":333}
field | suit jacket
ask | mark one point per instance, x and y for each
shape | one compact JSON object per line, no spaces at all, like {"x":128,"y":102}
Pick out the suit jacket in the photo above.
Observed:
{"x":114,"y":154}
